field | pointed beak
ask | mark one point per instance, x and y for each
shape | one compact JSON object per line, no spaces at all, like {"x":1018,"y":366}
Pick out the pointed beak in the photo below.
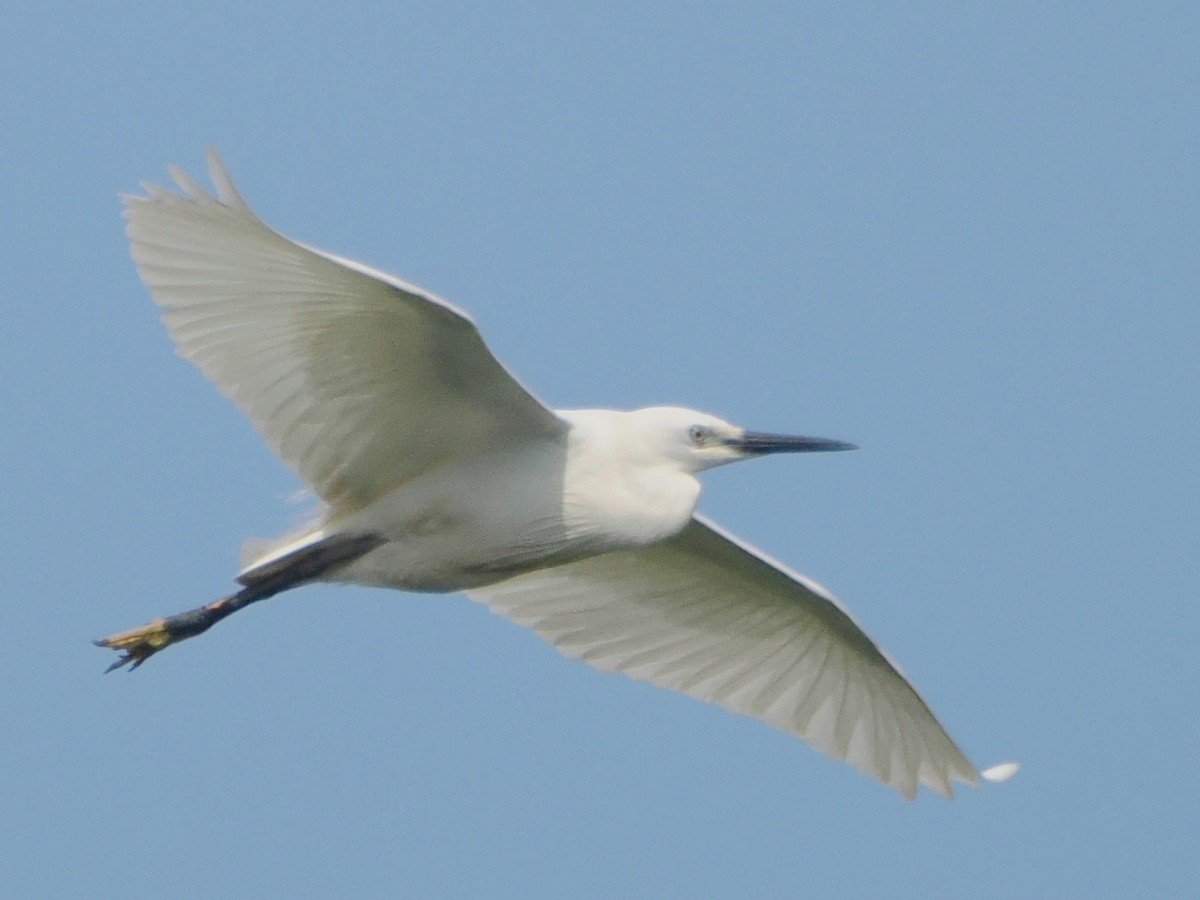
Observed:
{"x":756,"y":443}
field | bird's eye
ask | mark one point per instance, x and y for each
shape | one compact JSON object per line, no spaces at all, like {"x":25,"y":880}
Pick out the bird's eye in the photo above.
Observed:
{"x":699,"y":435}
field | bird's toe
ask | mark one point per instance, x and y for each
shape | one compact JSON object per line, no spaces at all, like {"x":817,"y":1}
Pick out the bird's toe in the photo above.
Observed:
{"x":137,"y":644}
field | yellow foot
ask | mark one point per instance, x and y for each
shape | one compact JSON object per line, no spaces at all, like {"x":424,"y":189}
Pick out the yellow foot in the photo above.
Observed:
{"x":137,"y":644}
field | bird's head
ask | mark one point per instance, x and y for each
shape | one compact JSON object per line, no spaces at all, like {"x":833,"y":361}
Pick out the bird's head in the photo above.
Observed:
{"x":697,"y":441}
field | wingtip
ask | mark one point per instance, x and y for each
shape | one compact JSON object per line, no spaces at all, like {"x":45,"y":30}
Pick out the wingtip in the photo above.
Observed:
{"x":1000,"y":772}
{"x":219,"y":175}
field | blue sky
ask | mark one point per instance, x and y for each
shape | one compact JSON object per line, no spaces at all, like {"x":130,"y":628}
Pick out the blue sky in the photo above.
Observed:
{"x":961,"y":236}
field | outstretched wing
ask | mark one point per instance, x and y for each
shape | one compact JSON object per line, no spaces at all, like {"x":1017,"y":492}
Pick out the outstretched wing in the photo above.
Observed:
{"x":705,"y":614}
{"x":356,"y":379}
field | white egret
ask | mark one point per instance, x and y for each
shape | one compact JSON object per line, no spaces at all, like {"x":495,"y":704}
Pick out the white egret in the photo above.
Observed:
{"x":439,"y":471}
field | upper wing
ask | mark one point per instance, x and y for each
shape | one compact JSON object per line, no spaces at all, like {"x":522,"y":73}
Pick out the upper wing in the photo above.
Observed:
{"x":705,"y":614}
{"x":356,"y":379}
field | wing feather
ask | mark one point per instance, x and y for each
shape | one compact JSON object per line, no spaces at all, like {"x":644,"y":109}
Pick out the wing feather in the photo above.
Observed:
{"x":356,"y":379}
{"x":704,"y":614}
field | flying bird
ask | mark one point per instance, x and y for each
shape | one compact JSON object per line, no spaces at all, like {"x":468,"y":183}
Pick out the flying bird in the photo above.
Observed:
{"x":439,"y":471}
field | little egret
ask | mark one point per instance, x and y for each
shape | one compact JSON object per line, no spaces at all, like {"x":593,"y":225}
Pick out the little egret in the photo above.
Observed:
{"x":439,"y":471}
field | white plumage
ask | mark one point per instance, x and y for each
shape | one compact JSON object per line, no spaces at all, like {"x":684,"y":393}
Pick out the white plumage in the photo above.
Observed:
{"x":441,"y":472}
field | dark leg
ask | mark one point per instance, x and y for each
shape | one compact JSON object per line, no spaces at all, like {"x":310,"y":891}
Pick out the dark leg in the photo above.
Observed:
{"x":138,"y":644}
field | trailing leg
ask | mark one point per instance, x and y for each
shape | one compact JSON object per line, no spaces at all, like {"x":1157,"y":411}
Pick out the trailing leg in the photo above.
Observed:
{"x":138,"y":644}
{"x":307,"y":564}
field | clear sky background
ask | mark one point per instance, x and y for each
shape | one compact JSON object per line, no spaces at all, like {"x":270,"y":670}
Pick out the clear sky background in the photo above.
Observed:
{"x":963,"y":236}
